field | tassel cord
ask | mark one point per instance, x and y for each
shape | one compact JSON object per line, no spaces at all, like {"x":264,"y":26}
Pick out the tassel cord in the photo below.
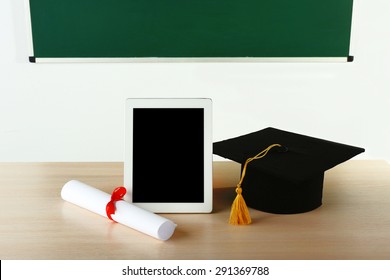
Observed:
{"x":239,"y":214}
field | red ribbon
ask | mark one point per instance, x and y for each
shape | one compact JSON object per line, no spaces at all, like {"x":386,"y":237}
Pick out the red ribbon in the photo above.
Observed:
{"x":116,"y":195}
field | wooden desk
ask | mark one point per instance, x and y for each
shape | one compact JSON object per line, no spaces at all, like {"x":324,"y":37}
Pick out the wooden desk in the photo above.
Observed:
{"x":35,"y":223}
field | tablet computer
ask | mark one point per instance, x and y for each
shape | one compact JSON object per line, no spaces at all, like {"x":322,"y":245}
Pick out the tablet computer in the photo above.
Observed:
{"x":168,"y":154}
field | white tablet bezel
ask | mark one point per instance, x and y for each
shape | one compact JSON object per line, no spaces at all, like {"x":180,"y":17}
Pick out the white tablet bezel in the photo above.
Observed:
{"x":206,"y":104}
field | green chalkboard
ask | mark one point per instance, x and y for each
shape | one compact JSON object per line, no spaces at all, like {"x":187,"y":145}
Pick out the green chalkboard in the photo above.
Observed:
{"x":190,"y":28}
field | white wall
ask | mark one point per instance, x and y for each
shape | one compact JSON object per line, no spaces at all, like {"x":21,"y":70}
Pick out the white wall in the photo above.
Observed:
{"x":75,"y":112}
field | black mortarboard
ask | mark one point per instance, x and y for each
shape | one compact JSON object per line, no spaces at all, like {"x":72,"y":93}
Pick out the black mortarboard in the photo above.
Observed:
{"x":289,"y":179}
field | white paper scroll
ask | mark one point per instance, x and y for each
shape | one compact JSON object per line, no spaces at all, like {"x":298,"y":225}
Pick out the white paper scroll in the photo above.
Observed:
{"x":127,"y":214}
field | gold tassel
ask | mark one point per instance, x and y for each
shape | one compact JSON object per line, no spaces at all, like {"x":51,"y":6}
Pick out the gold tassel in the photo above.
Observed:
{"x":239,"y":214}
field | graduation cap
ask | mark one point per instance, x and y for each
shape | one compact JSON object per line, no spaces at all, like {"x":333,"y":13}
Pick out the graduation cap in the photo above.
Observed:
{"x":282,"y":172}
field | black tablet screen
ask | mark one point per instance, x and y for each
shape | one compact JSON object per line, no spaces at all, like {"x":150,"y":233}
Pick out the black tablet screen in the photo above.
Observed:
{"x":168,"y":155}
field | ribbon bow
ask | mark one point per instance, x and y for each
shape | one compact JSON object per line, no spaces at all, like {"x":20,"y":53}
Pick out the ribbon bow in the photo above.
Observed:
{"x":116,"y":195}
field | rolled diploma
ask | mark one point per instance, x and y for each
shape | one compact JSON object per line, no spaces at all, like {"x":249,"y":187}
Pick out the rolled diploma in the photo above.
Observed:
{"x":127,"y":214}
